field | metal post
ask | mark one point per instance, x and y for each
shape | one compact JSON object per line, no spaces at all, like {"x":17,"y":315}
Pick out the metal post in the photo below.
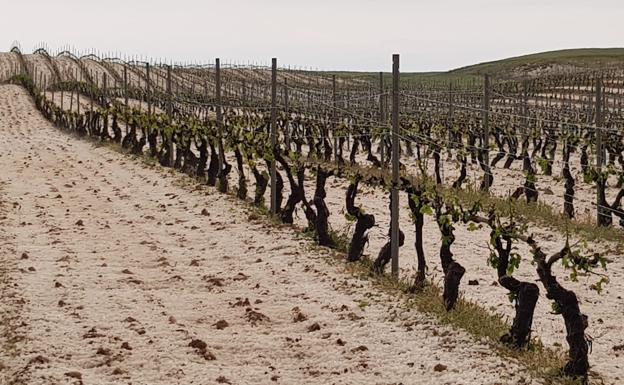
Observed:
{"x":450,"y":121}
{"x":382,"y":121}
{"x":394,"y":220}
{"x":599,"y":123}
{"x":599,"y":149}
{"x":273,"y":134}
{"x":91,"y":90}
{"x":148,"y":90}
{"x":169,"y":113}
{"x":104,"y":88}
{"x":78,"y":92}
{"x":125,"y":80}
{"x":219,"y":111}
{"x":486,"y":127}
{"x":287,"y":123}
{"x":62,"y":95}
{"x":334,"y":122}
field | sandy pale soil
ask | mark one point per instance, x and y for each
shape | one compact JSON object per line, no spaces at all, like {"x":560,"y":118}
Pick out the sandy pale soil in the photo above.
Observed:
{"x":605,"y":310}
{"x":109,"y":273}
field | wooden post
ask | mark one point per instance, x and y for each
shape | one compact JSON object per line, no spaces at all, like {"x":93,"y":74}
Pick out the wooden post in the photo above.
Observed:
{"x":394,"y":215}
{"x":334,"y":121}
{"x":273,"y":134}
{"x":486,"y":127}
{"x":169,"y":113}
{"x":382,"y":120}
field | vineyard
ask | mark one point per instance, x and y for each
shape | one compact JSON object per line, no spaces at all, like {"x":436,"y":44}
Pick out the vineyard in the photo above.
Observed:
{"x":498,"y":194}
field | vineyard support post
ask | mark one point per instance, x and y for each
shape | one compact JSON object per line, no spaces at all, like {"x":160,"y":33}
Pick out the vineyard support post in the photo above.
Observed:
{"x":104,"y":89}
{"x":78,"y":91}
{"x":599,"y":123}
{"x":125,"y":80}
{"x":525,"y":108}
{"x":169,"y":113}
{"x":394,"y":215}
{"x":382,"y":117}
{"x":273,"y":134}
{"x":62,"y":94}
{"x":92,"y":90}
{"x":486,"y":128}
{"x":450,"y":121}
{"x":287,"y":123}
{"x":334,"y":121}
{"x":599,"y":148}
{"x":147,"y":88}
{"x":219,"y":110}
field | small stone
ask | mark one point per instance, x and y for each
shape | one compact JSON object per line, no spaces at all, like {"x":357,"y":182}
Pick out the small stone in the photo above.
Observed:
{"x":473,"y":282}
{"x":298,"y":316}
{"x":205,"y":213}
{"x":80,"y":223}
{"x":39,"y":360}
{"x":314,"y":327}
{"x":439,"y":368}
{"x":220,"y":325}
{"x":103,"y":351}
{"x":76,"y":375}
{"x":126,"y":346}
{"x":198,"y":344}
{"x":118,"y":372}
{"x":360,"y":348}
{"x":24,"y":256}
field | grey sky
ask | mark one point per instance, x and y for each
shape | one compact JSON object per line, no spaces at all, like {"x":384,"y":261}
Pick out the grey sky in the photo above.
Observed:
{"x":324,"y":34}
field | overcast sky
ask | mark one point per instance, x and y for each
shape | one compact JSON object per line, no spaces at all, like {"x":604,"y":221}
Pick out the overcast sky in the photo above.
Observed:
{"x":323,"y":34}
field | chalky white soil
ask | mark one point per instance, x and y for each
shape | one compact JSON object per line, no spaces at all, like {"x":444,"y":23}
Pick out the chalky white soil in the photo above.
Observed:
{"x":109,"y":271}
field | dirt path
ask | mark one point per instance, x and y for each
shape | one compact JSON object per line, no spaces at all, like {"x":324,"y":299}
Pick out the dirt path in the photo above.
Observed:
{"x":109,"y":272}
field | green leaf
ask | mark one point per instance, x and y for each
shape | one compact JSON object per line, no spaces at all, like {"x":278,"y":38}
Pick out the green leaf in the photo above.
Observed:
{"x":426,"y":210}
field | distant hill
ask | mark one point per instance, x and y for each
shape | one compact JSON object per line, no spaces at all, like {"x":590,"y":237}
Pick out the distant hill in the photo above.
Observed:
{"x":526,"y":65}
{"x":567,"y":58}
